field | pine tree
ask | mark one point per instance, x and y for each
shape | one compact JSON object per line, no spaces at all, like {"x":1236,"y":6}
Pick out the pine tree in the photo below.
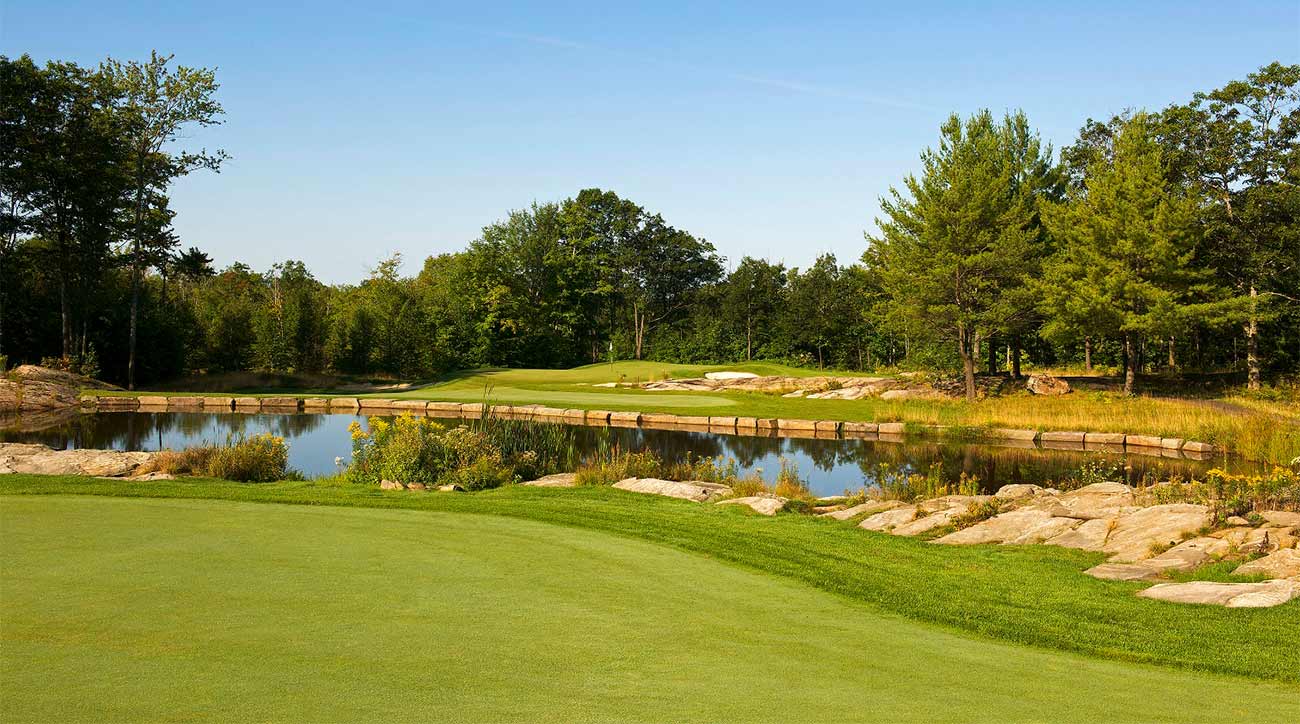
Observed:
{"x":951,"y":251}
{"x":1123,"y":269}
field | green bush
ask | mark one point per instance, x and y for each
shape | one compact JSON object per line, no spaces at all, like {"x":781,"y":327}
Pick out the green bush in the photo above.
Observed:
{"x":482,"y":474}
{"x":486,"y":453}
{"x":408,"y":449}
{"x":261,"y":458}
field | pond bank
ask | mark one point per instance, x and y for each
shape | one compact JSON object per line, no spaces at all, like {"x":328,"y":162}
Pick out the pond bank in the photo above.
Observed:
{"x":1131,"y":443}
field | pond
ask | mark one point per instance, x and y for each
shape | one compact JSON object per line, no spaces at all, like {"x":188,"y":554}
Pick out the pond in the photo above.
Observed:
{"x":319,"y":443}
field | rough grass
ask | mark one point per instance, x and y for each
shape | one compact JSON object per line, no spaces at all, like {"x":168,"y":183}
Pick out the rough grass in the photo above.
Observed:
{"x":1252,"y":428}
{"x":389,"y":615}
{"x":1034,"y":595}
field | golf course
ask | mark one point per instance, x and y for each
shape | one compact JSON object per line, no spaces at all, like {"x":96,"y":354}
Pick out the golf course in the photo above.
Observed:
{"x":649,"y":363}
{"x":210,"y":600}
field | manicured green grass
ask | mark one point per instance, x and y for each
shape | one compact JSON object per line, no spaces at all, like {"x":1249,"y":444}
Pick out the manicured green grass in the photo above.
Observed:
{"x":150,"y":610}
{"x":1034,"y":595}
{"x":1262,"y":431}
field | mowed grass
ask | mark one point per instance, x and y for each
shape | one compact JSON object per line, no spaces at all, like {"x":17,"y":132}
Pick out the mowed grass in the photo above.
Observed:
{"x":183,"y":610}
{"x":1253,"y":429}
{"x":1033,"y":595}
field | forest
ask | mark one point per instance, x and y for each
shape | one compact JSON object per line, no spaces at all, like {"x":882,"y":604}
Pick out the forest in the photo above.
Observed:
{"x":1158,"y":240}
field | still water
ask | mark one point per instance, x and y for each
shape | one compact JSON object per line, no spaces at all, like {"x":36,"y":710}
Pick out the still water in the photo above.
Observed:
{"x":319,"y":443}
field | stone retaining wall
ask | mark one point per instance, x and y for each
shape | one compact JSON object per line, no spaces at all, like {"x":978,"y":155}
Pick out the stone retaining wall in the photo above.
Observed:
{"x":825,"y":429}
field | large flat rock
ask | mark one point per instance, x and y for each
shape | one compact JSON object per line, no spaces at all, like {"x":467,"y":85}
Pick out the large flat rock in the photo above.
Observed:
{"x":1135,"y":534}
{"x":1189,"y":554}
{"x":925,"y":524}
{"x":1231,"y":595}
{"x":869,"y":508}
{"x":762,"y":504}
{"x":692,"y":490}
{"x":889,"y":519}
{"x":1284,"y":563}
{"x":558,"y":480}
{"x":1099,"y":500}
{"x":1123,"y":572}
{"x":1018,"y":527}
{"x":41,"y":460}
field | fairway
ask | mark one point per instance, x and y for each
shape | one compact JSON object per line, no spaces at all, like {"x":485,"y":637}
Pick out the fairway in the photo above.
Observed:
{"x":136,"y":609}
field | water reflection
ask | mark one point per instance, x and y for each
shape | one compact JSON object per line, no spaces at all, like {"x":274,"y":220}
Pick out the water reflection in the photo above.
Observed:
{"x":830,"y":465}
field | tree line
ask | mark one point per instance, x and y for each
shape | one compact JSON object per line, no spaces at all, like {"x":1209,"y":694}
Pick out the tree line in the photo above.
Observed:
{"x":1155,"y":240}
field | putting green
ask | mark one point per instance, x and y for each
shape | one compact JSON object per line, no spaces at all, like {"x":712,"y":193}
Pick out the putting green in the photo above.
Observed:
{"x":137,"y":609}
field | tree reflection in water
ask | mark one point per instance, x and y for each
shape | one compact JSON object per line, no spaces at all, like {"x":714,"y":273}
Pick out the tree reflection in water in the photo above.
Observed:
{"x":830,"y":465}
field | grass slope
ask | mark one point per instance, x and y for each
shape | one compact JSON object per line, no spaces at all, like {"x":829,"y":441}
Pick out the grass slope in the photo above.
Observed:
{"x":183,"y":610}
{"x":1256,"y":429}
{"x":1034,"y":595}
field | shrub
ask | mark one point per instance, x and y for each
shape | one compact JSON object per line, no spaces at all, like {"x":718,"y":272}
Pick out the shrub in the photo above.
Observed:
{"x":1228,"y":494}
{"x":487,"y":453}
{"x":408,"y":449}
{"x":261,"y":458}
{"x":789,"y":485}
{"x":482,"y":474}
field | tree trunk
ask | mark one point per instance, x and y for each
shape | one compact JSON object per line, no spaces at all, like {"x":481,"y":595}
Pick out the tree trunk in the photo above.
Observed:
{"x":749,"y":340}
{"x":638,"y":329}
{"x":993,"y":356}
{"x":1129,"y":364}
{"x":65,"y":316}
{"x":1015,"y":358}
{"x":1252,"y":341}
{"x":820,"y":364}
{"x":1172,"y":363}
{"x":135,"y":307}
{"x":965,"y":345}
{"x":1087,"y":354}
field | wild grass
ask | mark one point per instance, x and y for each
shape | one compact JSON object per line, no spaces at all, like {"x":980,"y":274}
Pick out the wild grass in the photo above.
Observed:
{"x":897,"y":482}
{"x":610,"y":464}
{"x":1229,"y":494}
{"x":261,"y":458}
{"x":977,"y":513}
{"x":790,"y":485}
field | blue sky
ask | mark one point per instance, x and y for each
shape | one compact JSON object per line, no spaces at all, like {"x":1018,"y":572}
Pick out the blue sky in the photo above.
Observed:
{"x":771,"y":129}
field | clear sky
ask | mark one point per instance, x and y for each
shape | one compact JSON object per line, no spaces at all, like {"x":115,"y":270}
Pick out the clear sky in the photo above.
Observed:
{"x":358,"y":129}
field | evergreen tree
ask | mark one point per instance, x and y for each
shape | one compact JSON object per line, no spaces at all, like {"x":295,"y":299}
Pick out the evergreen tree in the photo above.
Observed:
{"x":1123,"y":269}
{"x":961,"y":238}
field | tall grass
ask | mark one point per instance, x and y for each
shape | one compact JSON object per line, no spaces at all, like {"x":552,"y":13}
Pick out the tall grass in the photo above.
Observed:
{"x":262,"y":458}
{"x":895,"y":482}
